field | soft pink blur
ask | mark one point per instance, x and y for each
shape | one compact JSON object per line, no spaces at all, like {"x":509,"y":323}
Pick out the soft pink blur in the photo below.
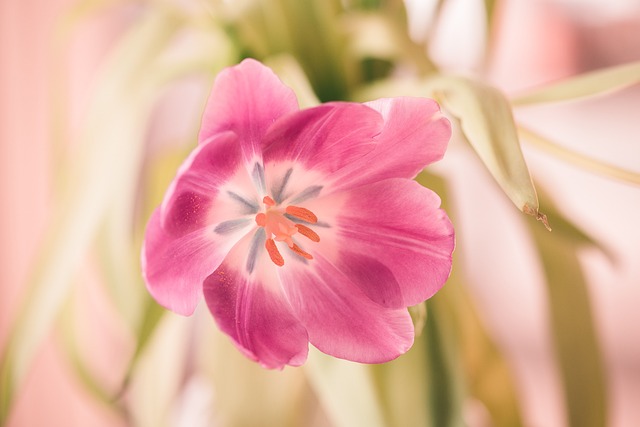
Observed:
{"x":539,"y":41}
{"x":51,"y":395}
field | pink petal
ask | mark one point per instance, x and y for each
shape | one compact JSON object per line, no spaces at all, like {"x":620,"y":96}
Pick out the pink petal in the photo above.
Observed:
{"x":415,"y":134}
{"x":183,"y":244}
{"x":174,"y":267}
{"x":188,"y":200}
{"x":326,"y":137}
{"x":252,"y":310}
{"x":246,"y":99}
{"x":396,"y":244}
{"x":340,"y":319}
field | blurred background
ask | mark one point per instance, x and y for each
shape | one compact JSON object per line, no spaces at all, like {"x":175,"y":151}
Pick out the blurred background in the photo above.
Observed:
{"x":100,"y":101}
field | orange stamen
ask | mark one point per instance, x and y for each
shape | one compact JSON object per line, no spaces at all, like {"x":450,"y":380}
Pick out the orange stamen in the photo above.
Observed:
{"x":274,"y":254}
{"x":279,"y":228}
{"x":302,"y":213}
{"x":295,"y":248}
{"x":307,"y":232}
{"x":261,"y":219}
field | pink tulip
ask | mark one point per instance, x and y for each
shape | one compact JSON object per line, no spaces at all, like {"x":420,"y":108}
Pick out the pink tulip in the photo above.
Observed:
{"x":303,"y":226}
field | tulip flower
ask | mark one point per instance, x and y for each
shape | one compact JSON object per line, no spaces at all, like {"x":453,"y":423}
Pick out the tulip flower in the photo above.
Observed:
{"x":303,"y":226}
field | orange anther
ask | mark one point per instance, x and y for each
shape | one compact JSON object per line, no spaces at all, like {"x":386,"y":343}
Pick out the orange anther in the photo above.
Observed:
{"x":307,"y":232}
{"x":274,"y":254}
{"x":300,"y":252}
{"x":279,"y":228}
{"x":261,"y":219}
{"x":302,"y":213}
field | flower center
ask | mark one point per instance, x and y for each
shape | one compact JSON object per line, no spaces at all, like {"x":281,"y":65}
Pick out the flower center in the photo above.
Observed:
{"x":279,"y":228}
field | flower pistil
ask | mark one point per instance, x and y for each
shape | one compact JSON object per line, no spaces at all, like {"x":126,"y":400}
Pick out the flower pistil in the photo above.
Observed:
{"x":280,"y":228}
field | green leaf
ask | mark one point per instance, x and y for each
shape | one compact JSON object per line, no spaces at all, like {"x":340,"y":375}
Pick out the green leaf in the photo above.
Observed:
{"x":151,"y":317}
{"x":78,"y":364}
{"x":306,"y":30}
{"x":319,"y":45}
{"x":478,"y":369}
{"x":382,"y":39}
{"x":346,"y":390}
{"x":155,"y":385}
{"x":403,"y":385}
{"x":291,"y":73}
{"x":487,"y":123}
{"x":594,"y":83}
{"x":487,"y":375}
{"x":490,"y":8}
{"x":579,"y":159}
{"x":569,"y":231}
{"x":444,"y":365}
{"x":424,"y":387}
{"x":573,"y":327}
{"x":250,"y":395}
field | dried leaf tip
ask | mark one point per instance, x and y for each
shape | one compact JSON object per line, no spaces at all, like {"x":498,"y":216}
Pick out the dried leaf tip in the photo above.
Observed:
{"x":537,"y":214}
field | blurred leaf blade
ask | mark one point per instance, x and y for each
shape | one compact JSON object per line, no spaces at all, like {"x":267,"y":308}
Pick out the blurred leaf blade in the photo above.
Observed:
{"x":447,"y":390}
{"x":345,"y":389}
{"x":593,"y":83}
{"x":483,"y":368}
{"x":488,"y":376}
{"x":77,"y":361}
{"x":157,"y":382}
{"x":306,"y":30}
{"x":290,"y":72}
{"x":151,"y":316}
{"x":578,"y":159}
{"x":327,"y":64}
{"x":277,"y":398}
{"x":573,"y":327}
{"x":404,"y":386}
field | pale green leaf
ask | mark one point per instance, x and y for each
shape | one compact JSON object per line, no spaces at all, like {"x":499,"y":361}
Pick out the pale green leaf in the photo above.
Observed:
{"x":157,"y":382}
{"x":246,"y":394}
{"x":152,"y":314}
{"x":346,"y":390}
{"x":487,"y":123}
{"x":385,"y":88}
{"x":578,"y":159}
{"x":472,"y":355}
{"x":576,"y":342}
{"x":403,"y":385}
{"x":585,"y":85}
{"x":77,"y":361}
{"x":486,"y":373}
{"x":444,"y":366}
{"x":383,"y":36}
{"x":372,"y":35}
{"x":289,"y":71}
{"x":320,"y":45}
{"x":306,"y":30}
{"x":569,"y":231}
